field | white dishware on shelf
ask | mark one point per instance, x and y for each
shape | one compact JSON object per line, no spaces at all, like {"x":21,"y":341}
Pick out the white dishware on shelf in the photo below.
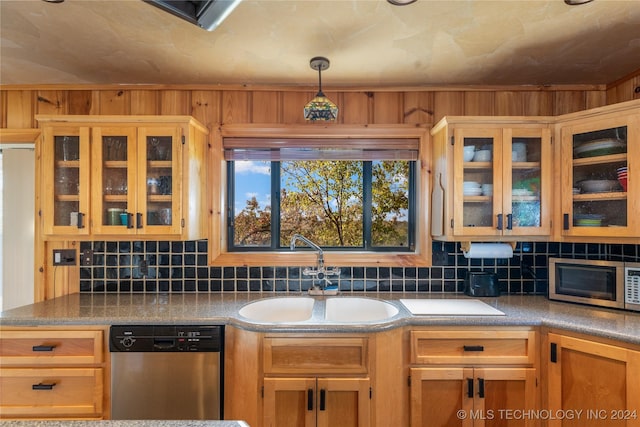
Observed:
{"x":469,"y":151}
{"x":472,"y":192}
{"x":521,"y":192}
{"x":599,"y":185}
{"x":482,"y":156}
{"x":519,"y":152}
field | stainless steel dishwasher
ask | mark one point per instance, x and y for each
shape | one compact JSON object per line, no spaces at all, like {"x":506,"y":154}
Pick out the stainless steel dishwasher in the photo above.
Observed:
{"x":166,"y":372}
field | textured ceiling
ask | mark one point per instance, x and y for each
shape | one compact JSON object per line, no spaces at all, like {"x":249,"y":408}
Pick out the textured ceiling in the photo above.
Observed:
{"x":370,"y":43}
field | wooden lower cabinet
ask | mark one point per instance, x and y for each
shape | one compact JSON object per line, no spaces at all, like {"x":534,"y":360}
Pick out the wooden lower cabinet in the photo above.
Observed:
{"x":473,"y":377}
{"x":321,"y":402}
{"x":595,"y":384}
{"x":53,"y":373}
{"x":460,"y":396}
{"x":54,"y":392}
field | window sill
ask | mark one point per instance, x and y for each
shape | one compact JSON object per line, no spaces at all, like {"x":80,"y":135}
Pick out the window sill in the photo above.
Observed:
{"x":331,"y":259}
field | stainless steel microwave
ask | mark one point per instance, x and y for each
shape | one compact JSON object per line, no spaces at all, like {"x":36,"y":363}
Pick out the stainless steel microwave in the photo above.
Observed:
{"x":602,"y":283}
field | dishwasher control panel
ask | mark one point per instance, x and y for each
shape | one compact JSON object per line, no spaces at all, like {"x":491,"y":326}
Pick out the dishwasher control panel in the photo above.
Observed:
{"x":165,"y":338}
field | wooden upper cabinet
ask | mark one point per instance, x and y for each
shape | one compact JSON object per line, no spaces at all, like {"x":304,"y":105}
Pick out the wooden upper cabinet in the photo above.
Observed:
{"x":598,"y":148}
{"x":124,"y":175}
{"x":65,"y":169}
{"x":492,"y":178}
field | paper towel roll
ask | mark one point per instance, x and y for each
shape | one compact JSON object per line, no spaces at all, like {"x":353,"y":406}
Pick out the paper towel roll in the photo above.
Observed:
{"x":488,"y":250}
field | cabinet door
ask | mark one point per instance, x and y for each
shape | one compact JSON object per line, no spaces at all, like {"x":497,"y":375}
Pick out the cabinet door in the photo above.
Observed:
{"x":477,"y":184}
{"x":343,"y":402}
{"x":65,"y":184}
{"x":160,"y":179}
{"x":503,"y":396}
{"x":439,"y":397}
{"x":596,"y":157}
{"x":598,"y":379}
{"x":526,"y":181}
{"x":114,"y":180}
{"x":289,"y":402}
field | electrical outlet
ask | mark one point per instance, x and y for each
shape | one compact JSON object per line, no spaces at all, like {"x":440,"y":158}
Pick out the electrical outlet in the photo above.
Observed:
{"x":64,"y":257}
{"x":86,"y":257}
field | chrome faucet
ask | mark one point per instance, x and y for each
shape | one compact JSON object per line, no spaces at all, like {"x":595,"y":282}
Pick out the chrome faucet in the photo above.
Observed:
{"x":320,"y":272}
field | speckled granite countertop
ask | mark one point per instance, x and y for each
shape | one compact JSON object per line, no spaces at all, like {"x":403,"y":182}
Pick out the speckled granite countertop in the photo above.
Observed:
{"x":125,"y":423}
{"x":222,"y":308}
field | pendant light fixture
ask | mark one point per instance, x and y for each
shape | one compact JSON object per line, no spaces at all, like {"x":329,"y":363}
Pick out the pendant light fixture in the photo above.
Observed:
{"x":320,"y":108}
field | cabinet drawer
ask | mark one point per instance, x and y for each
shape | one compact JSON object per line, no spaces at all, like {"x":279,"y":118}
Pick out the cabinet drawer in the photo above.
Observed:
{"x":481,"y":347}
{"x":50,"y":347}
{"x":298,"y":355}
{"x":52,"y":392}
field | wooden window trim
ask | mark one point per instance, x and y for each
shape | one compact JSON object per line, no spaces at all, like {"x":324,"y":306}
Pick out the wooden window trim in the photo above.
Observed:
{"x":218,"y":255}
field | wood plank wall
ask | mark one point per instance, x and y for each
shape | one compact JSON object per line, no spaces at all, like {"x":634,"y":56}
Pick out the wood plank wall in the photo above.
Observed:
{"x":285,"y":106}
{"x":19,"y":105}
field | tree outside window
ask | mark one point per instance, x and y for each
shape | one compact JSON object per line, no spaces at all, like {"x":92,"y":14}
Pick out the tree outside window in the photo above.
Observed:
{"x":339,"y":204}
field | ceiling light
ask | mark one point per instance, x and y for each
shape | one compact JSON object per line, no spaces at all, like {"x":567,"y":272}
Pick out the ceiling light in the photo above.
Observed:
{"x":576,"y":2}
{"x":53,"y":1}
{"x":320,"y":108}
{"x":401,"y":2}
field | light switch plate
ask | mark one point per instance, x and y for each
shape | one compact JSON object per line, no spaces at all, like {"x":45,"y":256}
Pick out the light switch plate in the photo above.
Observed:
{"x":64,"y":257}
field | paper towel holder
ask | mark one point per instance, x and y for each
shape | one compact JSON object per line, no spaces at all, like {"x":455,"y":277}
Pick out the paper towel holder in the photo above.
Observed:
{"x":465,"y":246}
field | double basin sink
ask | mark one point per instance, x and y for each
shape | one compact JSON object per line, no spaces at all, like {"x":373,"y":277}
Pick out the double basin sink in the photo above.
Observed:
{"x":300,"y":309}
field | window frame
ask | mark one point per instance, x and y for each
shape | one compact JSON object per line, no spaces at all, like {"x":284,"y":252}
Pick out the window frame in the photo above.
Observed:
{"x":219,"y":255}
{"x":367,"y":183}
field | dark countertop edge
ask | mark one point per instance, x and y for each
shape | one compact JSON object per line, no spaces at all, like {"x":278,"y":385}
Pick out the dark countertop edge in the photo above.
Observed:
{"x":568,"y":316}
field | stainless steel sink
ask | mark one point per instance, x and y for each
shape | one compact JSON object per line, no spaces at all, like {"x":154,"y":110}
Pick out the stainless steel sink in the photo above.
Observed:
{"x":356,"y":309}
{"x":279,"y":310}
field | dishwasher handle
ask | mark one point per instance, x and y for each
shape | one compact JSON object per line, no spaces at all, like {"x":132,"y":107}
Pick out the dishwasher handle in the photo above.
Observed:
{"x":163,"y":344}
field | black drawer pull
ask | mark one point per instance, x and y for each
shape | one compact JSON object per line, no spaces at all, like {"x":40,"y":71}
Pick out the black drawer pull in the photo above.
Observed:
{"x":322,"y":399}
{"x":470,"y":388}
{"x":473,"y":347}
{"x":310,"y":400}
{"x":43,"y":347}
{"x":42,"y":386}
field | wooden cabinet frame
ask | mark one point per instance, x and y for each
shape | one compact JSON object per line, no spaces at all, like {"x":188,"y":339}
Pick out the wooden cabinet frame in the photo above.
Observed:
{"x":188,"y":199}
{"x":448,"y":198}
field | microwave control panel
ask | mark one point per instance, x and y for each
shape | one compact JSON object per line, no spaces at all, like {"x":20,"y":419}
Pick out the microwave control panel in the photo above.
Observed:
{"x":632,"y":287}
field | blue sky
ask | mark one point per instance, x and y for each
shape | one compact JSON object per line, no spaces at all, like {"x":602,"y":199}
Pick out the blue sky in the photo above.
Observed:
{"x":252,"y":180}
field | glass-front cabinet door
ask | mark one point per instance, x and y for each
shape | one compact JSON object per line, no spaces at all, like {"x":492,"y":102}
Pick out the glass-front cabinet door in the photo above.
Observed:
{"x":65,"y":180}
{"x":114,"y":180}
{"x":598,"y":198}
{"x":502,"y":181}
{"x":526,"y":181}
{"x":135,"y":191}
{"x":477,"y":182}
{"x":159,"y":153}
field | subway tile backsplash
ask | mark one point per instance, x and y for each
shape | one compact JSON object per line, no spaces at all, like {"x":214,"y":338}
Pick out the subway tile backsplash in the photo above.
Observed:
{"x":170,"y":266}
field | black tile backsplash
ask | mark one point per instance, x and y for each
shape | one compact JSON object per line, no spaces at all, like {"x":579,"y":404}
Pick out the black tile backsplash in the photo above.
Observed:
{"x":163,"y":266}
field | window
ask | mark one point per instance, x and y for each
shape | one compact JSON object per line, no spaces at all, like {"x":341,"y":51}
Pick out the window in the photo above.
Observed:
{"x":355,"y":199}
